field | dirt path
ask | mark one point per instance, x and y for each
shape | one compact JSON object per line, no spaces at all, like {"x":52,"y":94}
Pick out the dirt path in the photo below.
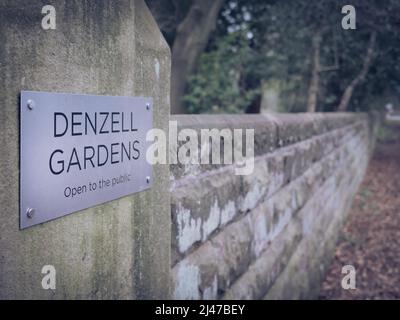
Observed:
{"x":371,"y":237}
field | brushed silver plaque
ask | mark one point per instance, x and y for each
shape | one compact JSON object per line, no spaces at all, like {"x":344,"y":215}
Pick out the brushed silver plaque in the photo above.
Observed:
{"x":78,"y":151}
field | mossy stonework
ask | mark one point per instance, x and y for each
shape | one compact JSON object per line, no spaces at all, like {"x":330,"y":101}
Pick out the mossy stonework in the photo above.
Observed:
{"x":270,"y":234}
{"x":119,"y":250}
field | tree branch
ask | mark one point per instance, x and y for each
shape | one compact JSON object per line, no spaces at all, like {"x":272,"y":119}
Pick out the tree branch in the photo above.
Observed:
{"x":190,"y":41}
{"x":346,"y":97}
{"x":313,"y":89}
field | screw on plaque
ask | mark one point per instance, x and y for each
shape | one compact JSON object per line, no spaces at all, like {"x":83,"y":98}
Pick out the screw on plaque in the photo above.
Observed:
{"x":30,"y":104}
{"x":30,"y":213}
{"x":148,"y":106}
{"x":148,"y":179}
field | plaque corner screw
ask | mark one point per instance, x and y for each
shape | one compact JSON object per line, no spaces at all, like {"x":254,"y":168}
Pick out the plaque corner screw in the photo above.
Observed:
{"x":148,"y":179}
{"x":30,"y":213}
{"x":30,"y":104}
{"x":148,"y":106}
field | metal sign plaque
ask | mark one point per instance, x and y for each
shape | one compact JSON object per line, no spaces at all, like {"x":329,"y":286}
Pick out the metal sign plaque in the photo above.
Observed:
{"x":79,"y":151}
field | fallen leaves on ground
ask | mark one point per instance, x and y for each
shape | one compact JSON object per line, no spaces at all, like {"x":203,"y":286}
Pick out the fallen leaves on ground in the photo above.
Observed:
{"x":370,"y":240}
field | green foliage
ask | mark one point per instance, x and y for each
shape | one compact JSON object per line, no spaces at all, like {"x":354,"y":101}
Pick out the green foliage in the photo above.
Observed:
{"x":271,"y":41}
{"x":218,"y":86}
{"x":386,"y":133}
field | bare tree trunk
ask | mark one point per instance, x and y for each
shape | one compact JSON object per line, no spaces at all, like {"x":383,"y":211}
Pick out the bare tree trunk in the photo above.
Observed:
{"x":313,"y":89}
{"x":190,"y":41}
{"x":344,"y":102}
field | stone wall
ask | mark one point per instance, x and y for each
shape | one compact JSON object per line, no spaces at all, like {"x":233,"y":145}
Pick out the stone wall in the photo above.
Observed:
{"x":119,"y":250}
{"x":270,"y":234}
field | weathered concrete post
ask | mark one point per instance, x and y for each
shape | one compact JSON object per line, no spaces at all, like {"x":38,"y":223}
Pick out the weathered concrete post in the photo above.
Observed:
{"x":117,"y":250}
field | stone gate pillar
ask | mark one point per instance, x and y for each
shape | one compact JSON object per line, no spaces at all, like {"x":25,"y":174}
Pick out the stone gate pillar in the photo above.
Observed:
{"x":117,"y":250}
